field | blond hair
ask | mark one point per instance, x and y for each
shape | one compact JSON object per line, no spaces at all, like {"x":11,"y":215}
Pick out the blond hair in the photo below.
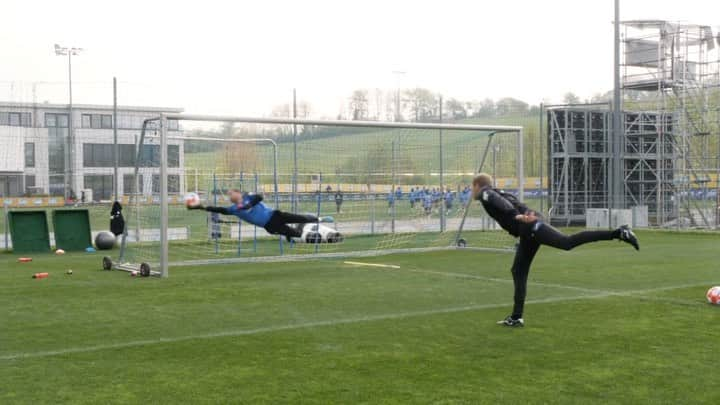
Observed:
{"x":483,"y":180}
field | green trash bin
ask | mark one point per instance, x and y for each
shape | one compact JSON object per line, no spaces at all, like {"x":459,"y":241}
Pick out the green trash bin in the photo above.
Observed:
{"x":29,"y":231}
{"x":72,"y":229}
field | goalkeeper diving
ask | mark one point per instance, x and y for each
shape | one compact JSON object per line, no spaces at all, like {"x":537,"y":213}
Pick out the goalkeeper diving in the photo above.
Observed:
{"x":250,"y":208}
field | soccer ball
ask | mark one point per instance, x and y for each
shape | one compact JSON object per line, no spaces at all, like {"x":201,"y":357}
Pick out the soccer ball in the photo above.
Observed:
{"x":713,"y":295}
{"x":192,"y":200}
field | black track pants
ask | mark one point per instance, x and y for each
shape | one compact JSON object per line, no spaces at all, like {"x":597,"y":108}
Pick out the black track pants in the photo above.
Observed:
{"x":278,"y":224}
{"x":539,"y":234}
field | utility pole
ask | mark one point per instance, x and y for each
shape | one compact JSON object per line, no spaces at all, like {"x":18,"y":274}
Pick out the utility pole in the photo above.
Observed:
{"x":70,"y":142}
{"x":442,"y":164}
{"x":294,"y":203}
{"x":617,"y":187}
{"x":398,"y":74}
{"x":116,"y":182}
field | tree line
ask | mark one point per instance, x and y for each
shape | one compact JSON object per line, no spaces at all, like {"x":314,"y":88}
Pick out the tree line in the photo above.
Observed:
{"x":423,"y":105}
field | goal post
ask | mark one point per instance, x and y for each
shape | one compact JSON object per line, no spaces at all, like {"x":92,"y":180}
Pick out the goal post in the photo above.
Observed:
{"x":139,"y":211}
{"x":164,"y":214}
{"x":390,"y":186}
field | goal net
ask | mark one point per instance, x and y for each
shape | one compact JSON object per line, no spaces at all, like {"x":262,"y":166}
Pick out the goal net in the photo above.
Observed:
{"x":375,"y":188}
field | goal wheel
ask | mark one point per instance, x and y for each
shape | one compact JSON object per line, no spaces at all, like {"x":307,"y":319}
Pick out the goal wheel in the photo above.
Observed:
{"x":145,"y":270}
{"x":313,"y":237}
{"x":461,"y":243}
{"x":107,"y":263}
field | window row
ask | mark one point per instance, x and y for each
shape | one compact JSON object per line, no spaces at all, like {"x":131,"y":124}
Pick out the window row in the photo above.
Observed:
{"x":11,"y":185}
{"x":101,"y":155}
{"x":94,"y":121}
{"x":16,"y":119}
{"x":56,"y":155}
{"x":102,"y":184}
{"x":53,"y":120}
{"x":154,"y":185}
{"x":136,"y":122}
{"x":97,"y":121}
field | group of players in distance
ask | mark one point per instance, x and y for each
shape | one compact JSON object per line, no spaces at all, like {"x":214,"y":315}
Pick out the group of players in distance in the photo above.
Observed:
{"x":511,"y":214}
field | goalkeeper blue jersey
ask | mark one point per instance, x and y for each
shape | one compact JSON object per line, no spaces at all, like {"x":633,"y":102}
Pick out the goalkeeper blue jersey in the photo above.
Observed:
{"x":258,"y":214}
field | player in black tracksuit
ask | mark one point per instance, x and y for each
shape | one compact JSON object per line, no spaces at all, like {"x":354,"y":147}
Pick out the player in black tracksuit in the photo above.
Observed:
{"x":520,"y":221}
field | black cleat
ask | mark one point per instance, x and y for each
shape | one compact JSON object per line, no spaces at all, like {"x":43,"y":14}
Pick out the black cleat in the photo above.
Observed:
{"x":628,"y":236}
{"x":513,"y":323}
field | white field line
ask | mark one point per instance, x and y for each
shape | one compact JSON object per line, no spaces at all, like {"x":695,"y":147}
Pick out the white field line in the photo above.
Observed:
{"x":389,"y":266}
{"x":503,"y":280}
{"x":633,"y":293}
{"x":670,"y":300}
{"x":316,"y":324}
{"x":279,"y":328}
{"x":639,"y":294}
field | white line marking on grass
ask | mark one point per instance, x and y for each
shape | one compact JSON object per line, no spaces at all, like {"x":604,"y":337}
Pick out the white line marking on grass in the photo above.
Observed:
{"x":633,"y":293}
{"x":503,"y":280}
{"x":389,"y":266}
{"x":332,"y":322}
{"x":499,"y":280}
{"x":670,"y":300}
{"x":638,"y":294}
{"x":279,"y":328}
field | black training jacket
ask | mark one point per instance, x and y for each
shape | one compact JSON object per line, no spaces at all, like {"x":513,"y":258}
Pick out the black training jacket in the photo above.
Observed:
{"x":503,"y":207}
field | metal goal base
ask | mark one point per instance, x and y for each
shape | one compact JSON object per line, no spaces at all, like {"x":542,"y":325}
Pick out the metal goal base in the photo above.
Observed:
{"x":143,"y":268}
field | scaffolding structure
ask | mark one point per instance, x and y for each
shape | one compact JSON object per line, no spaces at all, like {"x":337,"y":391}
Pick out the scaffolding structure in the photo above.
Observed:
{"x":580,"y":158}
{"x":671,"y":152}
{"x":648,"y":163}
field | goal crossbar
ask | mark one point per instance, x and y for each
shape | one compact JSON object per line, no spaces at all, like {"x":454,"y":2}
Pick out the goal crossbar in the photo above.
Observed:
{"x":163,"y":129}
{"x":342,"y":123}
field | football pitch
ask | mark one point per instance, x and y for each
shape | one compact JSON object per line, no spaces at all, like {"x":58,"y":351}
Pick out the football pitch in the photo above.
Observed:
{"x":604,"y":324}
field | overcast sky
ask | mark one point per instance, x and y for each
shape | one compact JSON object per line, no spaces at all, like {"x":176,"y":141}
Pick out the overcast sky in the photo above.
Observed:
{"x":243,"y":57}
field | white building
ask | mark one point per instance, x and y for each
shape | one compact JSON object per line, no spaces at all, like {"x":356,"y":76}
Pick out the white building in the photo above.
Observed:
{"x":36,"y":158}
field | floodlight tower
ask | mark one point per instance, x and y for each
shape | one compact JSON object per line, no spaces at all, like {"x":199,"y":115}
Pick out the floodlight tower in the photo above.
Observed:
{"x":398,"y":74}
{"x":617,"y":193}
{"x":69,"y":160}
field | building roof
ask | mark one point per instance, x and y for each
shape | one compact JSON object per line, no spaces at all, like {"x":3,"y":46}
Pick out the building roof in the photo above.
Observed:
{"x":642,"y":24}
{"x":664,"y":24}
{"x":124,"y":108}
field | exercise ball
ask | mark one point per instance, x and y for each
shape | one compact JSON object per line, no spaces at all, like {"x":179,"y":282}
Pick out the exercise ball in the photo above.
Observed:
{"x":104,"y":241}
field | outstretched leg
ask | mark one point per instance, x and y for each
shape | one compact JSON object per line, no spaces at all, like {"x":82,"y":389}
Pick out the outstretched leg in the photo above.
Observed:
{"x":289,"y":231}
{"x":278,"y":224}
{"x":545,"y":234}
{"x":289,"y":218}
{"x":283,"y":229}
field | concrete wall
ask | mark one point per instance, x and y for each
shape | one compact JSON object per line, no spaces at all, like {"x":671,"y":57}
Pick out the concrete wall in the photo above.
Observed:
{"x":12,"y":156}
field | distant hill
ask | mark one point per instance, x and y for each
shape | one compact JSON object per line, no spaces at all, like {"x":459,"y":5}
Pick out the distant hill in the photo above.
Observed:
{"x":367,"y":153}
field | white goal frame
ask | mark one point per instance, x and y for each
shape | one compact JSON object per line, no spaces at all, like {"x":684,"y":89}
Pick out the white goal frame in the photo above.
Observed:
{"x":164,"y":261}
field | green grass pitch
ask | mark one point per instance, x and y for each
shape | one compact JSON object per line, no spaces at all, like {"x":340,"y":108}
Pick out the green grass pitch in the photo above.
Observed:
{"x":604,"y":324}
